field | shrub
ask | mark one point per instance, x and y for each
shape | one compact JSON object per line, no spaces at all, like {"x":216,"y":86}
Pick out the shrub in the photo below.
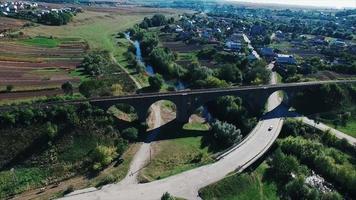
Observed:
{"x":102,"y":156}
{"x":167,"y":196}
{"x":130,"y":133}
{"x":106,"y":180}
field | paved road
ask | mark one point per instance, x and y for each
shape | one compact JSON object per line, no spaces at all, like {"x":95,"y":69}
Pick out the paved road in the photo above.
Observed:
{"x":188,"y":183}
{"x":324,"y":127}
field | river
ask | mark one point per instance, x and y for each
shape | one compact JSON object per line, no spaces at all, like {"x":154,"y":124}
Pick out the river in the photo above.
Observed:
{"x":178,"y":85}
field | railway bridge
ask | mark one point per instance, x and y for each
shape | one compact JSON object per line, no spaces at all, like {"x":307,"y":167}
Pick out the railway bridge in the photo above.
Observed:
{"x":187,"y":101}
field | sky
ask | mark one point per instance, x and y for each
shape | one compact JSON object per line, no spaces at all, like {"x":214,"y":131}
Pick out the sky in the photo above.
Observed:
{"x":323,"y":3}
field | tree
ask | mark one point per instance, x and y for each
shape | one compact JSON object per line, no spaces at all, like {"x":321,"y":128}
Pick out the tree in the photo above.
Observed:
{"x":102,"y":156}
{"x":158,"y":20}
{"x":225,"y":134}
{"x":130,"y":133}
{"x":296,"y":189}
{"x":9,"y":88}
{"x":67,"y":88}
{"x":156,"y":82}
{"x":167,"y":196}
{"x":282,"y":166}
{"x":230,"y":73}
{"x":51,"y":130}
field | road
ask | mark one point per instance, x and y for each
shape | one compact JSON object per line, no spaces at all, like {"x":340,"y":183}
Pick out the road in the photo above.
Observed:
{"x":248,"y":41}
{"x":187,"y":184}
{"x":324,"y":127}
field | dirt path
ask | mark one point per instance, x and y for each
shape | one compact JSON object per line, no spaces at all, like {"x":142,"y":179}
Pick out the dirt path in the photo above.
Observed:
{"x":142,"y":156}
{"x":138,"y":85}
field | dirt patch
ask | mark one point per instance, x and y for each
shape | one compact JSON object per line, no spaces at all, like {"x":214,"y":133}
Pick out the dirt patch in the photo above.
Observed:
{"x":7,"y":24}
{"x":329,"y":75}
{"x":181,"y":47}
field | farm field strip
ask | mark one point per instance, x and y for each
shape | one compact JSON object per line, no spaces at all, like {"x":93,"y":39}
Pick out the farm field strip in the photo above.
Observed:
{"x":41,"y":67}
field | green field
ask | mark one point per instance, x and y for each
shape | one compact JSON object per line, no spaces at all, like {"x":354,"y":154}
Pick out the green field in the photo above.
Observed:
{"x":21,"y":179}
{"x":349,"y":129}
{"x":41,"y":42}
{"x":97,"y":28}
{"x":246,"y":186}
{"x":179,"y":152}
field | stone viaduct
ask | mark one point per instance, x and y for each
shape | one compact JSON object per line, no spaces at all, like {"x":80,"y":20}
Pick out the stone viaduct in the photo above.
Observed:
{"x":187,"y":101}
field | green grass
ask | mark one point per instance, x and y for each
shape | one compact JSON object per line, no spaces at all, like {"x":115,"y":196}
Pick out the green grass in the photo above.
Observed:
{"x":195,"y":126}
{"x":42,"y":42}
{"x":283,"y":46}
{"x":21,"y":179}
{"x":242,"y":187}
{"x":94,"y":27}
{"x":177,"y":153}
{"x":187,"y":56}
{"x":349,"y":129}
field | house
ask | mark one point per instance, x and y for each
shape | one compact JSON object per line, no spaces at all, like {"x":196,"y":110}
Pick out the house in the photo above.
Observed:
{"x":178,"y":29}
{"x":279,"y":34}
{"x":233,"y":46}
{"x":283,"y":59}
{"x":338,"y":44}
{"x":319,"y":40}
{"x":267,"y":52}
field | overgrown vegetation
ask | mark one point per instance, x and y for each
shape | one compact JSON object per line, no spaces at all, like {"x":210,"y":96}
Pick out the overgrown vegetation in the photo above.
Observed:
{"x":302,"y":155}
{"x":44,"y":146}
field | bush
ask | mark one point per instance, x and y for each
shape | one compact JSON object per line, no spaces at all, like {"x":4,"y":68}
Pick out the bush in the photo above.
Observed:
{"x":106,"y":180}
{"x":69,"y":189}
{"x":9,"y":88}
{"x":102,"y":156}
{"x":167,"y":196}
{"x":67,"y":87}
{"x":130,"y":133}
{"x":156,"y":82}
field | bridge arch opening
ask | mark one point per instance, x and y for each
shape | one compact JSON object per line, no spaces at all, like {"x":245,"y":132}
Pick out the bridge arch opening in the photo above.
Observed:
{"x":160,"y":113}
{"x":276,"y":99}
{"x":124,"y":112}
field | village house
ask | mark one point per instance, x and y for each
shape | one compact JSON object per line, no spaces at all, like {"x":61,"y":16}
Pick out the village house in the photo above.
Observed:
{"x":267,"y":53}
{"x":233,"y":46}
{"x":338,"y":44}
{"x":283,"y":59}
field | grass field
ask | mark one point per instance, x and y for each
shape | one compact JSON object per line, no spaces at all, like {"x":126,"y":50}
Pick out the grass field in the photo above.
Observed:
{"x":41,"y":42}
{"x":242,"y":187}
{"x":349,"y":129}
{"x":180,"y":151}
{"x":97,"y":28}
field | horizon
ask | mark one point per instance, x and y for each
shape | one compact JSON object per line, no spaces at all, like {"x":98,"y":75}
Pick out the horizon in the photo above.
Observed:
{"x":340,"y":4}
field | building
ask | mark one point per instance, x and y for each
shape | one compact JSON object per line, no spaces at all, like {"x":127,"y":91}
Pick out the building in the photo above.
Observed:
{"x":338,"y":44}
{"x":283,"y":59}
{"x":267,"y":52}
{"x":233,"y":46}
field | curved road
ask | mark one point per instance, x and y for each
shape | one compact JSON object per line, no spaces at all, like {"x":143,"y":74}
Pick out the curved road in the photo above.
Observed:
{"x":188,"y":183}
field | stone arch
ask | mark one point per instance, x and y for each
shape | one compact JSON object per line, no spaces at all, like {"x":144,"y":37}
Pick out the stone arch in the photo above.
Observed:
{"x":167,"y":111}
{"x":276,"y":98}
